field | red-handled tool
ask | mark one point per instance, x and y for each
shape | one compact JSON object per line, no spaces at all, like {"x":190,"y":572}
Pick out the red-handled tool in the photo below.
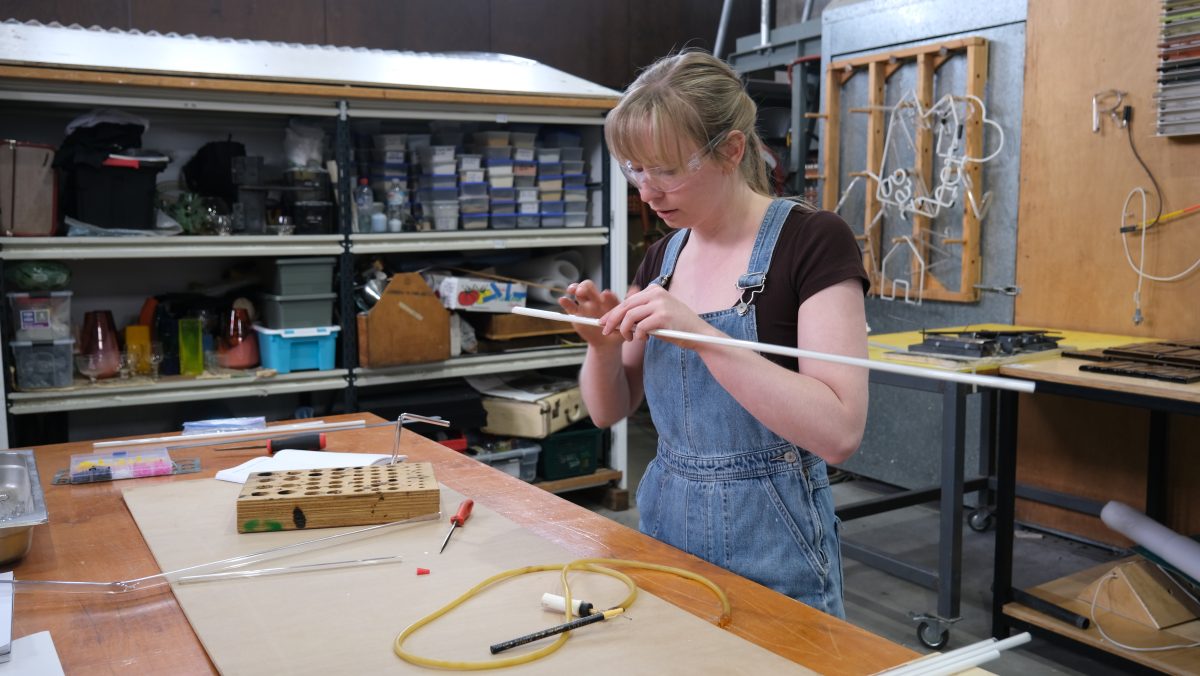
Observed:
{"x":460,"y":517}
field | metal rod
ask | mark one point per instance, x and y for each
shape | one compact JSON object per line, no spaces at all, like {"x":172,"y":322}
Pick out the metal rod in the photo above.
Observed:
{"x":765,"y":24}
{"x":722,"y":27}
{"x":318,"y":426}
{"x":994,"y":382}
{"x":412,"y":417}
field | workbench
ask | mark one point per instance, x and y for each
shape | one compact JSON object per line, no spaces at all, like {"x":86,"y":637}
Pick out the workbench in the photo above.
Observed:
{"x":1062,"y":377}
{"x":91,"y":535}
{"x":933,"y":628}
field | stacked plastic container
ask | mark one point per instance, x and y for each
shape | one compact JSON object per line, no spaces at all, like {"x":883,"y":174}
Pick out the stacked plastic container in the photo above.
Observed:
{"x":438,"y":185}
{"x":42,"y":346}
{"x":299,"y":334}
{"x":389,"y":178}
{"x":562,"y":183}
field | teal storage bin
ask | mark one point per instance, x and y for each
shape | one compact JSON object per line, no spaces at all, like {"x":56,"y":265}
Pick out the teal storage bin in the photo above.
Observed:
{"x":287,"y":350}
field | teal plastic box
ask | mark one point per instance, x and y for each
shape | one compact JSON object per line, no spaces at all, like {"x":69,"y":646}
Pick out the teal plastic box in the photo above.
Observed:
{"x":287,"y":350}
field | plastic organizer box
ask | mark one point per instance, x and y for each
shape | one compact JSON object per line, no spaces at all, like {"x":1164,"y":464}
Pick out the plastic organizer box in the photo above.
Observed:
{"x":519,"y":460}
{"x":297,"y":312}
{"x":42,"y":315}
{"x":302,"y":276}
{"x":42,"y":365}
{"x":575,"y":451}
{"x":306,"y":349}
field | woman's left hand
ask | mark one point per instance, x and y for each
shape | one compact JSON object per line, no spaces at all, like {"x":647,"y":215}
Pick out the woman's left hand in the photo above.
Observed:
{"x":653,"y":308}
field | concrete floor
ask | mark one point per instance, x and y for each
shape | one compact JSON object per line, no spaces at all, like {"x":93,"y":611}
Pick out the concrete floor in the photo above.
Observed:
{"x":881,"y":603}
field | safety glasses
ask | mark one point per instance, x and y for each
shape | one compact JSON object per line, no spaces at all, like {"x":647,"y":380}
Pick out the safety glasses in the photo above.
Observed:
{"x":668,"y":179}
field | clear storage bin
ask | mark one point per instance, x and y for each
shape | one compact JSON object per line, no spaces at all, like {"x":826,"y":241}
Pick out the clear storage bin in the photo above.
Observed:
{"x":41,"y":315}
{"x":520,"y":461}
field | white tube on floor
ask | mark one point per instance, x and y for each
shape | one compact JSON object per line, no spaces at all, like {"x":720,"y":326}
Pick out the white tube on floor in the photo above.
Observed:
{"x":1175,"y":549}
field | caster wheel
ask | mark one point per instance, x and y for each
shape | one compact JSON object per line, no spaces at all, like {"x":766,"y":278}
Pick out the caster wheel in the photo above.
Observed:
{"x":981,"y":520}
{"x":927,"y":634}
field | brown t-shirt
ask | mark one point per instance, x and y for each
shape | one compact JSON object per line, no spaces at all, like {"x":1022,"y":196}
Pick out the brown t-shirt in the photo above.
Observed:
{"x":815,"y":251}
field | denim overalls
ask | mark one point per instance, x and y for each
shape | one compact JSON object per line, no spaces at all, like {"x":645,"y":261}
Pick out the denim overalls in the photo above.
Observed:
{"x":723,"y":487}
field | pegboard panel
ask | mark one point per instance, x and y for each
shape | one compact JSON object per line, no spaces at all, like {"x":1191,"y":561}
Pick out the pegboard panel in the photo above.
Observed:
{"x":343,"y":496}
{"x":922,"y":167}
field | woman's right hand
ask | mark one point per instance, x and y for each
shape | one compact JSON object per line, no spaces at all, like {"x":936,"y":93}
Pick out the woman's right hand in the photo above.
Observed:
{"x":585,"y":299}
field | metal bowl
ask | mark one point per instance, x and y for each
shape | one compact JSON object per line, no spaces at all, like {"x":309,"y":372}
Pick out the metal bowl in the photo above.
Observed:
{"x":22,"y":504}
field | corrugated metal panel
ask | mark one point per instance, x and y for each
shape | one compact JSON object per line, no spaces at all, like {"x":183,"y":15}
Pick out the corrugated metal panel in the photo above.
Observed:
{"x":903,"y":431}
{"x":33,"y":43}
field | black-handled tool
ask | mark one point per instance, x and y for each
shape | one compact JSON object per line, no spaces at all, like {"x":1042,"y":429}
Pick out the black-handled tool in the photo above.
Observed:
{"x":311,"y":441}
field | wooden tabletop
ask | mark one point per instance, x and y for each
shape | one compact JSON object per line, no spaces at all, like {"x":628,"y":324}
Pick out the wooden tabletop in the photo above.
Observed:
{"x":91,"y":536}
{"x":1066,"y":371}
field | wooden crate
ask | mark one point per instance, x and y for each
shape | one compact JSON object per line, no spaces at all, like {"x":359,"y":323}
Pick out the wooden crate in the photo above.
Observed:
{"x":345,"y":496}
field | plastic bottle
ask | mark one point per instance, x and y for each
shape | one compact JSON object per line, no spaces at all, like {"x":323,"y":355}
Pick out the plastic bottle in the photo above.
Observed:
{"x":395,"y":207}
{"x":363,"y":198}
{"x":378,"y":222}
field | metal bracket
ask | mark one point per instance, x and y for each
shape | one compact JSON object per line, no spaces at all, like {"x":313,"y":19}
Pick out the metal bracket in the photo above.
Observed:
{"x":1011,"y":290}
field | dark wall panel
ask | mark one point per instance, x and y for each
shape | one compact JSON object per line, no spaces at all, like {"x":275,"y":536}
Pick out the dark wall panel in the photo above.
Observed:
{"x":604,"y":41}
{"x":410,"y":25}
{"x":276,"y":20}
{"x":106,"y":13}
{"x":582,"y":37}
{"x":666,"y":26}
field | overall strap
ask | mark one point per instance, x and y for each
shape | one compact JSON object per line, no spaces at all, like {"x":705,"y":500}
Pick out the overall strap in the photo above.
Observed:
{"x":755,"y":278}
{"x":674,"y":246}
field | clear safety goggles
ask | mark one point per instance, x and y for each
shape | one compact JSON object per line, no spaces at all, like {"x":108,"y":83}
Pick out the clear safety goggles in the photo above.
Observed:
{"x":668,"y":179}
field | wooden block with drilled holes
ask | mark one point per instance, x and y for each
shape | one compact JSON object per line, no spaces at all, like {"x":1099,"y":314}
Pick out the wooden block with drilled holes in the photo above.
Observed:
{"x":345,"y":496}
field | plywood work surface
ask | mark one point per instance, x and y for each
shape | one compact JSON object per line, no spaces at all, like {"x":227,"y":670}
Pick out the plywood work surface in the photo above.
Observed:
{"x":93,"y":536}
{"x":1065,"y":592}
{"x":344,"y":620}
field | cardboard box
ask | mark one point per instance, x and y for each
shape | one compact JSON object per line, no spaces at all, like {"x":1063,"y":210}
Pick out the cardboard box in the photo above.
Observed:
{"x":407,"y":326}
{"x":531,"y":406}
{"x":479,"y":295}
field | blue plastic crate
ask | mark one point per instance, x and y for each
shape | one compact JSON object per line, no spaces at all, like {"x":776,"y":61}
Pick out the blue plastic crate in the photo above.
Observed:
{"x":287,"y":350}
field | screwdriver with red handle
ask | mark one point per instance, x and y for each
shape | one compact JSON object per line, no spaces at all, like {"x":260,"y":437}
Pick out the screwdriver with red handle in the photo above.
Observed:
{"x":460,"y":517}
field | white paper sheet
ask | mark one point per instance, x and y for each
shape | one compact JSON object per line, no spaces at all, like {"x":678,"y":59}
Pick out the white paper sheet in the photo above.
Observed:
{"x":33,"y":655}
{"x":293,"y":459}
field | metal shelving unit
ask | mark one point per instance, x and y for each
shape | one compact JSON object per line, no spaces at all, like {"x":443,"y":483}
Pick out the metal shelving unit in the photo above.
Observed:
{"x":477,"y":240}
{"x":171,"y":389}
{"x":100,"y":248}
{"x":102,"y":79}
{"x":472,"y":365}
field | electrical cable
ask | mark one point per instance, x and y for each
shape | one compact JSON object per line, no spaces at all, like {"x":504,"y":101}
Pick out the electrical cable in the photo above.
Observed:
{"x":1143,"y":224}
{"x":1139,"y":268}
{"x":1108,"y":577}
{"x":1127,"y":122}
{"x":592,"y":565}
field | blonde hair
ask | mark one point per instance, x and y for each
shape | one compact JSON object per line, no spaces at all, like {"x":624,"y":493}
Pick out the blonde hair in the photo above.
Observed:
{"x":687,"y":97}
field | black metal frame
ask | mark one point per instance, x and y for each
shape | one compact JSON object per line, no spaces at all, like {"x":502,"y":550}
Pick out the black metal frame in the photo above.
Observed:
{"x":947,"y":578}
{"x":1007,"y":490}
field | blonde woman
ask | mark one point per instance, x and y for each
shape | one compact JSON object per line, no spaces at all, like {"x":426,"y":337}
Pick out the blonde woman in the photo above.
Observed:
{"x":739,"y":478}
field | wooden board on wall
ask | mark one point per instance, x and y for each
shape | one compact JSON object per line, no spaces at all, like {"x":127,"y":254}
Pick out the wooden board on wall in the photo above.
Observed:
{"x":1071,"y":265}
{"x":1059,"y":451}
